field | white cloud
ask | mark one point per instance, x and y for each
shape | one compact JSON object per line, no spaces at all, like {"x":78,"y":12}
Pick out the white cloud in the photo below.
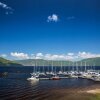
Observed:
{"x":4,"y":6}
{"x":8,"y":9}
{"x":87,"y":55}
{"x":39,"y":56}
{"x":68,"y":56}
{"x":19,"y":55}
{"x":71,"y":17}
{"x":53,"y":18}
{"x":53,"y":57}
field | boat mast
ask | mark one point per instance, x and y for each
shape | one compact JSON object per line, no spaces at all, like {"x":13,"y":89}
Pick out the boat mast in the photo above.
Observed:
{"x":64,"y":66}
{"x":43,"y":66}
{"x":69,"y":67}
{"x":85,"y":66}
{"x":55,"y":69}
{"x":76,"y":67}
{"x":35,"y":65}
{"x":81,"y":66}
{"x":94,"y":66}
{"x":61,"y":67}
{"x":52,"y":66}
{"x":73,"y":67}
{"x":48,"y":66}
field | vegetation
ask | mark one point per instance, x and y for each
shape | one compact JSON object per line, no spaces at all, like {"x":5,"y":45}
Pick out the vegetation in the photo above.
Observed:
{"x":92,"y":61}
{"x":95,"y":97}
{"x":41,"y":62}
{"x":5,"y":62}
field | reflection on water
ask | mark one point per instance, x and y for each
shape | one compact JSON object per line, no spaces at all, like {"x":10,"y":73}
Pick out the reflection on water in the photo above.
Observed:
{"x":16,"y":87}
{"x":33,"y":83}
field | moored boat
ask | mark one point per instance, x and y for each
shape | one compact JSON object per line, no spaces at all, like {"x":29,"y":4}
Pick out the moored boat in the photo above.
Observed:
{"x":55,"y":77}
{"x":33,"y":78}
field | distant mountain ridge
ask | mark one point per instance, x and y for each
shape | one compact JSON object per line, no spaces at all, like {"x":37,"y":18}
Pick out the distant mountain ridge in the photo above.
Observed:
{"x":41,"y":62}
{"x":5,"y":62}
{"x":92,"y":61}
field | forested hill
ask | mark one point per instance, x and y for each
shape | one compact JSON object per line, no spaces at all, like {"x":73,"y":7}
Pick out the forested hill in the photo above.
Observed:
{"x":41,"y":62}
{"x":5,"y":62}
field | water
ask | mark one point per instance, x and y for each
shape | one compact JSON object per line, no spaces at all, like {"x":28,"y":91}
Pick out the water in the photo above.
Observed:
{"x":29,"y":69}
{"x":16,"y":87}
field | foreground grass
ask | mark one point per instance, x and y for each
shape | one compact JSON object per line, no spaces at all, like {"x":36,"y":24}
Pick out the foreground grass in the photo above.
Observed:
{"x":96,"y":97}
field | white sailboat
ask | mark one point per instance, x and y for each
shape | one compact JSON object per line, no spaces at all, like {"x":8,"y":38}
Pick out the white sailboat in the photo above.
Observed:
{"x":61,"y":69}
{"x":34,"y":75}
{"x":48,"y":69}
{"x":55,"y":76}
{"x":33,"y":78}
{"x":43,"y":69}
{"x":88,"y":74}
{"x":73,"y":73}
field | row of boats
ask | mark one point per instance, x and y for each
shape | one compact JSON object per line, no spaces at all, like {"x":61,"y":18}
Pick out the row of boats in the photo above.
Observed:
{"x":91,"y":74}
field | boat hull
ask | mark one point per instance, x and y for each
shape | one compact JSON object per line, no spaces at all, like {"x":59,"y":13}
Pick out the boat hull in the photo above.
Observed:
{"x":33,"y":79}
{"x":55,"y":78}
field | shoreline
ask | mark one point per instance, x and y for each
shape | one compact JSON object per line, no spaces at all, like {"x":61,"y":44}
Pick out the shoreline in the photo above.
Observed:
{"x":94,"y":91}
{"x":81,"y":93}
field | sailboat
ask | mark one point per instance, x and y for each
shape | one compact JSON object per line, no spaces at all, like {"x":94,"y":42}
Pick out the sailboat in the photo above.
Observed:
{"x":51,"y":71}
{"x":48,"y":70}
{"x":55,"y":76}
{"x":73,"y":74}
{"x":88,"y":74}
{"x":33,"y":78}
{"x":34,"y":75}
{"x":61,"y":69}
{"x":43,"y":69}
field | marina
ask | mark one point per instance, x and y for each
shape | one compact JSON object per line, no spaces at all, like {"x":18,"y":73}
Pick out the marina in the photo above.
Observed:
{"x":59,"y":72}
{"x":49,"y":49}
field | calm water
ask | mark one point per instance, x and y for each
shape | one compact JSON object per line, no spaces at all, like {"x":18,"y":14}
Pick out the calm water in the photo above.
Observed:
{"x":16,"y":87}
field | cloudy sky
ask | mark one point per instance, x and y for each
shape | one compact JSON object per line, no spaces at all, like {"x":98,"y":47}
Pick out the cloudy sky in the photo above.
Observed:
{"x":57,"y":29}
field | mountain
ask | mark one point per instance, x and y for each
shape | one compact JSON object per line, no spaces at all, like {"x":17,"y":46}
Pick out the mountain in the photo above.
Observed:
{"x":41,"y":62}
{"x":5,"y":62}
{"x":90,"y":61}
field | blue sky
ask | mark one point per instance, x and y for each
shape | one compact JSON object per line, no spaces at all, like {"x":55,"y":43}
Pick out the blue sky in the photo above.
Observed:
{"x":49,"y":26}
